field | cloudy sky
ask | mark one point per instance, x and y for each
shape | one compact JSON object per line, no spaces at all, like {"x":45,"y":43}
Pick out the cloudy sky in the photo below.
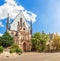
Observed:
{"x":45,"y":14}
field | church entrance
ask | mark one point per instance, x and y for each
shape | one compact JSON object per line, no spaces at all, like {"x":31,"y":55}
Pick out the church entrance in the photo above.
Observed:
{"x":24,"y":47}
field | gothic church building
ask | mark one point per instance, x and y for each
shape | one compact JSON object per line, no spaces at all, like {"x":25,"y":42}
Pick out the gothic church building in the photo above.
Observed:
{"x":21,"y":31}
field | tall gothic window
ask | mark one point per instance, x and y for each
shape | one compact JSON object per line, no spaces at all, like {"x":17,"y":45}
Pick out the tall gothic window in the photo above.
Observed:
{"x":21,"y":22}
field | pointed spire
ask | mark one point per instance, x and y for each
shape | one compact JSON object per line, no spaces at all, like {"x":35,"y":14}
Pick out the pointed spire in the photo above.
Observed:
{"x":7,"y":22}
{"x":18,"y":25}
{"x":31,"y":27}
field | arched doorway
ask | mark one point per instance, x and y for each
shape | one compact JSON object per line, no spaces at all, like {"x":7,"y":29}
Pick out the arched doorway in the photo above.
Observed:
{"x":24,"y":47}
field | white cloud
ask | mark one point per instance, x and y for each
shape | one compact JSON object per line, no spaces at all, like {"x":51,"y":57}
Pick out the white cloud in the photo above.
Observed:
{"x":12,"y":2}
{"x":1,"y":34}
{"x":29,"y":16}
{"x":11,"y":7}
{"x":1,"y":24}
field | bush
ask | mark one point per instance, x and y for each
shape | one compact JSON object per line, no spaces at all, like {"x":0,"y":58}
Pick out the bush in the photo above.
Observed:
{"x":12,"y":50}
{"x":18,"y":50}
{"x":1,"y":49}
{"x":15,"y":48}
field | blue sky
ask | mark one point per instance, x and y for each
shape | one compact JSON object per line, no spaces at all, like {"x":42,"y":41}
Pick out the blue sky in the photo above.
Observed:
{"x":47,"y":14}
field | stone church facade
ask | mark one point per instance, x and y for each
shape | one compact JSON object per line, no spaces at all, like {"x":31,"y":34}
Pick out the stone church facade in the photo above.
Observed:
{"x":21,"y":31}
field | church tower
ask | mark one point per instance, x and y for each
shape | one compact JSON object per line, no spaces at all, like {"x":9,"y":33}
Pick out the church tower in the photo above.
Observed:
{"x":31,"y":27}
{"x":21,"y":31}
{"x":7,"y":23}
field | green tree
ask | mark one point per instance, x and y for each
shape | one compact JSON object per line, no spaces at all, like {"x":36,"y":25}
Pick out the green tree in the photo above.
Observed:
{"x":36,"y":41}
{"x":7,"y":40}
{"x":34,"y":44}
{"x":56,"y":41}
{"x":44,"y":38}
{"x":0,"y":41}
{"x":39,"y":41}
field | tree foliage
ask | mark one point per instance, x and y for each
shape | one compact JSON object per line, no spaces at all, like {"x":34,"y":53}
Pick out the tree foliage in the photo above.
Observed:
{"x":0,"y":41}
{"x":6,"y":40}
{"x":39,"y":41}
{"x":1,"y":49}
{"x":56,"y":41}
